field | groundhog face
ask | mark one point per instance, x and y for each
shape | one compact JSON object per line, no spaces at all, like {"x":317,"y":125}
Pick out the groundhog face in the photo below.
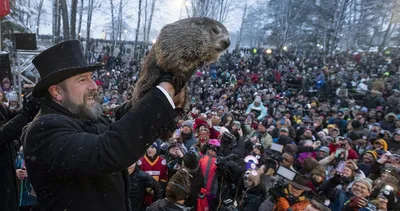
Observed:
{"x":188,"y":43}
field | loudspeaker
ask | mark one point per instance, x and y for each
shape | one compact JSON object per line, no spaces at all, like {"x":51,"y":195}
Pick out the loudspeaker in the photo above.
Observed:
{"x":5,"y":68}
{"x":25,"y":41}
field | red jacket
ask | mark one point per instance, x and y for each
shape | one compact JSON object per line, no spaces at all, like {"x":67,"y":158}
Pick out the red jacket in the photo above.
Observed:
{"x":208,"y":168}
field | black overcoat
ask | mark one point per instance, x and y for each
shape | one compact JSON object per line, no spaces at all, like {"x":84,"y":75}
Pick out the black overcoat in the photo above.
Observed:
{"x":82,"y":165}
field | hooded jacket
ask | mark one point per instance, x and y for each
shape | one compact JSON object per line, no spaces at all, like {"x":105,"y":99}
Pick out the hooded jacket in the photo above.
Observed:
{"x":260,"y":109}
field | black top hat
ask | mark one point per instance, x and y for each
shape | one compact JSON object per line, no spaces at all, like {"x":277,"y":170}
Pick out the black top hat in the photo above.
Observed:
{"x":58,"y":63}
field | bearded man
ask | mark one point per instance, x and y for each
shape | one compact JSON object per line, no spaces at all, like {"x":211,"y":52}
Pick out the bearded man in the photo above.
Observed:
{"x":76,"y":159}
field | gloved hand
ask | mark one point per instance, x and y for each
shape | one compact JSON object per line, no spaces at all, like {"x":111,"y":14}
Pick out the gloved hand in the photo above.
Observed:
{"x":177,"y":80}
{"x":357,"y":202}
{"x":337,"y":178}
{"x":31,"y":106}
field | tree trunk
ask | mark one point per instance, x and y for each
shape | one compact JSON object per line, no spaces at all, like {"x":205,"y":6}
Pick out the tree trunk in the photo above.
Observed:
{"x":74,"y":7}
{"x":144,"y":45}
{"x":88,"y":25}
{"x":40,"y":8}
{"x":80,"y":20}
{"x":239,"y":39}
{"x":112,"y":24}
{"x":56,"y":32}
{"x":153,"y":5}
{"x":120,"y":21}
{"x":137,"y":29}
{"x":65,"y":19}
{"x":386,"y":36}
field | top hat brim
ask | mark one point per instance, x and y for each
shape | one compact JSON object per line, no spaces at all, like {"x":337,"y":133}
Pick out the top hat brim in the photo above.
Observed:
{"x":301,"y":187}
{"x":54,"y":78}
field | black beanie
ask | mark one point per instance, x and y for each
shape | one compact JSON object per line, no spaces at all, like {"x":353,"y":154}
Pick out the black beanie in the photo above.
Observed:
{"x":190,"y":161}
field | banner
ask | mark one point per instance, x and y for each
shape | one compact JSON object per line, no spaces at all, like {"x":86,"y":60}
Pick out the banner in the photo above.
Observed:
{"x":4,"y":7}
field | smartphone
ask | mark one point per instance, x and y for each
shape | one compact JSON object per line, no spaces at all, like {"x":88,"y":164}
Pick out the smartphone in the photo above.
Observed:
{"x":340,"y":166}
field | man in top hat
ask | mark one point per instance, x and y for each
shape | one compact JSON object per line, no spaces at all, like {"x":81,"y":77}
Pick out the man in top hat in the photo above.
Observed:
{"x":76,"y":159}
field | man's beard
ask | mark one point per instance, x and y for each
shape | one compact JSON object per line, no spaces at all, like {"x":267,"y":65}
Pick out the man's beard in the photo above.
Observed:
{"x":83,"y":110}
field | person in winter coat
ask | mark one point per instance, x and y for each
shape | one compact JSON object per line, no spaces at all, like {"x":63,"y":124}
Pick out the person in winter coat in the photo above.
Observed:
{"x":27,"y":200}
{"x":288,"y":197}
{"x":140,"y":183}
{"x":208,"y":168}
{"x":11,"y":129}
{"x":393,"y":102}
{"x":70,"y":143}
{"x":191,"y":165}
{"x":389,"y":122}
{"x":356,"y":197}
{"x":156,"y":166}
{"x":258,"y":108}
{"x":254,"y":192}
{"x":187,"y":136}
{"x":177,"y":192}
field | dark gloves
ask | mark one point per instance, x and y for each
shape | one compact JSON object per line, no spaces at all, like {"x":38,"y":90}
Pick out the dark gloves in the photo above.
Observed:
{"x":31,"y":106}
{"x":338,"y":178}
{"x":178,"y":80}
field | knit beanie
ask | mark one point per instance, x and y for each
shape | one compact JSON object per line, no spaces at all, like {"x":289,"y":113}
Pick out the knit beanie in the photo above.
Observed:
{"x":368,"y":182}
{"x":373,"y":153}
{"x":178,"y":187}
{"x":188,"y":123}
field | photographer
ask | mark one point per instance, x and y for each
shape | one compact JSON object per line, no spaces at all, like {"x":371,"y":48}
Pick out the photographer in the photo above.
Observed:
{"x":288,"y":196}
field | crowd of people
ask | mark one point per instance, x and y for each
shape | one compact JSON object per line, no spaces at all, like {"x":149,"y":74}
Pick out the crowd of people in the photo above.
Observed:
{"x":252,"y":120}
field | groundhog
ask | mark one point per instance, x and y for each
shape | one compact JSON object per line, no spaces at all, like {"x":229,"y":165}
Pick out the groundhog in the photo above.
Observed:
{"x":181,"y":47}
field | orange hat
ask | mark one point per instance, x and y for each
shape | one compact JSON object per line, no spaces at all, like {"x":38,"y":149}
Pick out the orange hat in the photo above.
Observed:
{"x":383,"y":143}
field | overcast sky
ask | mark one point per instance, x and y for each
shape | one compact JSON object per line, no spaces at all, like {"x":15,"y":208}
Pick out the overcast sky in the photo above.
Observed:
{"x":168,"y":12}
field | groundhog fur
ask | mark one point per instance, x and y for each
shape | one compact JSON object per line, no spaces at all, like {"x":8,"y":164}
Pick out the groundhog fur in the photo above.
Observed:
{"x":181,"y":47}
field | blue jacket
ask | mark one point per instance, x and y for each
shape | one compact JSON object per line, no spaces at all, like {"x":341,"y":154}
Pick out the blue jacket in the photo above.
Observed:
{"x":261,"y":109}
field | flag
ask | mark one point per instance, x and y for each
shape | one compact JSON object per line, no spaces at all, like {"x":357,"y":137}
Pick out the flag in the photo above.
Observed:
{"x":4,"y":7}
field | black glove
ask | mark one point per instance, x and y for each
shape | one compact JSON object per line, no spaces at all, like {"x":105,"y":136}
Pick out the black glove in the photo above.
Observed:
{"x":338,"y":178}
{"x":177,"y":80}
{"x":31,"y":106}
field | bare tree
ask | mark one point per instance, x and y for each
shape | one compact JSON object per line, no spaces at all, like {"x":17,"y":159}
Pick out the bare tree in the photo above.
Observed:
{"x":137,"y":29}
{"x":39,"y":8}
{"x":112,"y":24}
{"x":89,"y":23}
{"x":80,"y":18}
{"x":74,"y":7}
{"x":64,"y":10}
{"x":239,"y":39}
{"x":56,"y":21}
{"x":143,"y":50}
{"x":152,"y":8}
{"x":120,"y":20}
